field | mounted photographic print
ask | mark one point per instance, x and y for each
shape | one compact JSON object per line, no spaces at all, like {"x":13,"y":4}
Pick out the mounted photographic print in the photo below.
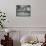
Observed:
{"x":23,"y":10}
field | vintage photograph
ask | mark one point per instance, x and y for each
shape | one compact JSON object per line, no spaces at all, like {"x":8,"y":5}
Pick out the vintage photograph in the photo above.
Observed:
{"x":23,"y":10}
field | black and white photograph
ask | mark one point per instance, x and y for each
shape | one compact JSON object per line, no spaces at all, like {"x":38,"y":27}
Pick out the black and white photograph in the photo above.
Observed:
{"x":23,"y":10}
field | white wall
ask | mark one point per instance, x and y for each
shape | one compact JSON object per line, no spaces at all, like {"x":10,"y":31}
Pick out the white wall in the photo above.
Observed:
{"x":37,"y":20}
{"x":38,"y":13}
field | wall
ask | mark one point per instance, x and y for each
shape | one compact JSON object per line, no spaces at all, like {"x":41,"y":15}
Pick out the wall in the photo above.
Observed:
{"x":37,"y":20}
{"x":38,"y":13}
